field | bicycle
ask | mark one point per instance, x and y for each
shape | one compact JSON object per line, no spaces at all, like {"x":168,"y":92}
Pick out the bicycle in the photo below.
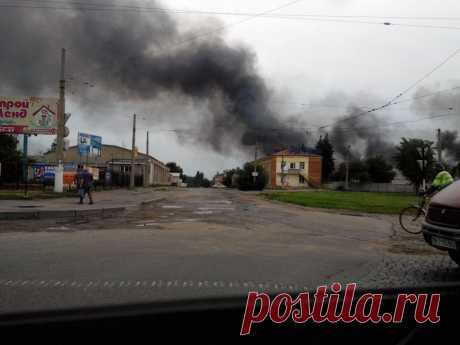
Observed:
{"x":411,"y":218}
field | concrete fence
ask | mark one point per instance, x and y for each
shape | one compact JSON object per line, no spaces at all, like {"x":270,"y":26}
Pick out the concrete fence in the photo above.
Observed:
{"x":373,"y":187}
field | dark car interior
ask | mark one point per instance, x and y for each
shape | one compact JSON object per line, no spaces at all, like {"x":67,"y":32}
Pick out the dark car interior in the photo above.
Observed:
{"x":221,"y":319}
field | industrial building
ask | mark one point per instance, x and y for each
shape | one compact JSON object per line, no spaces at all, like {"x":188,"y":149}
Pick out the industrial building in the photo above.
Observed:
{"x":114,"y":163}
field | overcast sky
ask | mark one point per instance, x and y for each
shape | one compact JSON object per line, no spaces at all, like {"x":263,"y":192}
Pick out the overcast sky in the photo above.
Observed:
{"x":309,"y":61}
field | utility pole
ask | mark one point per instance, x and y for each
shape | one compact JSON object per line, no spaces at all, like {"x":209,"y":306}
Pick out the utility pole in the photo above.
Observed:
{"x":439,"y":147}
{"x":347,"y":168}
{"x":147,"y":148}
{"x":254,"y":174}
{"x":24,"y":162}
{"x":59,"y":171}
{"x":423,"y":167}
{"x":133,"y":148}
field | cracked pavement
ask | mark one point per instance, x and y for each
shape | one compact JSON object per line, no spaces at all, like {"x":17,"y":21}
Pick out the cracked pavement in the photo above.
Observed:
{"x":206,"y":242}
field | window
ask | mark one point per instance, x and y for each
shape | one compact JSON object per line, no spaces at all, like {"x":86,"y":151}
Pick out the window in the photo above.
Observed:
{"x":301,"y":179}
{"x":302,"y":165}
{"x":292,"y":165}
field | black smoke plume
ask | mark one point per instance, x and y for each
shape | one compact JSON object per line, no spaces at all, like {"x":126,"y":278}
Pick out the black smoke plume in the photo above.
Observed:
{"x":360,"y":132}
{"x":138,"y":56}
{"x":427,"y":102}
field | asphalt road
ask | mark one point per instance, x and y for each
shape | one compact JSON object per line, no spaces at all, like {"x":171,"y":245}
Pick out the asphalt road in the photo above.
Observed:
{"x":203,"y":242}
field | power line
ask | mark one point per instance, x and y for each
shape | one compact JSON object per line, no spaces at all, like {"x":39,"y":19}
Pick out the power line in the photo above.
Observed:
{"x":104,"y":5}
{"x":313,"y":105}
{"x":222,"y":27}
{"x":275,"y":129}
{"x":393,"y":100}
{"x":438,"y":66}
{"x":92,"y":7}
{"x":349,"y":129}
{"x":188,"y":40}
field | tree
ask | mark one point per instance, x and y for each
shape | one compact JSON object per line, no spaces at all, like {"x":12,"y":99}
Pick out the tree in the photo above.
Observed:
{"x":198,"y":181}
{"x":245,"y":179}
{"x":228,"y":177}
{"x":326,"y":150}
{"x":8,"y":148}
{"x":174,"y":168}
{"x":379,"y":170}
{"x":407,"y":160}
{"x":357,"y":172}
{"x":9,"y":159}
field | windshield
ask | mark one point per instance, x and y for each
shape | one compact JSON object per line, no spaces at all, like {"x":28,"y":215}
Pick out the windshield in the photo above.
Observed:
{"x":154,"y":150}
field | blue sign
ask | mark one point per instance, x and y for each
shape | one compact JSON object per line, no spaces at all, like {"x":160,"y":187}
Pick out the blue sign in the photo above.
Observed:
{"x":43,"y":170}
{"x":89,"y":145}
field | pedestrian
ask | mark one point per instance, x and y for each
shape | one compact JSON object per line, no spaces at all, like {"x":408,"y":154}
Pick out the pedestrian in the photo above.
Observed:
{"x":80,"y":182}
{"x":88,"y":185}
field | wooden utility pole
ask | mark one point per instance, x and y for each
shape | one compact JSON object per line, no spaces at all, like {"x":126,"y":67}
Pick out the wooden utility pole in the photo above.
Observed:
{"x":147,"y":148}
{"x":24,"y":162}
{"x":439,"y":147}
{"x":254,"y":174}
{"x":133,"y":148}
{"x":59,"y":171}
{"x":347,"y":168}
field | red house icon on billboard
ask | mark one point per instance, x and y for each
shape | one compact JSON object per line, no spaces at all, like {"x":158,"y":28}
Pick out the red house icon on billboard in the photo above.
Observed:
{"x":44,"y":116}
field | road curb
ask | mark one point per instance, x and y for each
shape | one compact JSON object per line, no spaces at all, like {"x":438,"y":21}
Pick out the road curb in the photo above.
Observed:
{"x":47,"y":214}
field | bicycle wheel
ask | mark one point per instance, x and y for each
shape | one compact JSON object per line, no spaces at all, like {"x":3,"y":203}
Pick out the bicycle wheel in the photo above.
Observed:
{"x":411,"y":219}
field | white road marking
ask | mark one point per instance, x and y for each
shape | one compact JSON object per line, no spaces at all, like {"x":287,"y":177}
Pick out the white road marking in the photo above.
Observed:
{"x":214,"y":208}
{"x":155,"y":284}
{"x":172,"y":206}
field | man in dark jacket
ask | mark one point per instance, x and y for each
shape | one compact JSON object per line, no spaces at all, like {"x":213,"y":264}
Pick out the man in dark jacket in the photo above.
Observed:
{"x":88,"y":185}
{"x":80,"y":182}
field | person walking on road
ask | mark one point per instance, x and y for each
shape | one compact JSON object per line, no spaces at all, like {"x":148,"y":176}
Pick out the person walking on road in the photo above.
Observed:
{"x":79,"y":182}
{"x":84,"y":183}
{"x":88,"y":185}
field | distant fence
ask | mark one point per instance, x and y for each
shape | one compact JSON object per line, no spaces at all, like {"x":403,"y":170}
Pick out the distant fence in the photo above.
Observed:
{"x":373,"y":187}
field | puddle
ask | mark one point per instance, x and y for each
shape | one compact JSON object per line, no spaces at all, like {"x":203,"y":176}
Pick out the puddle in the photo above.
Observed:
{"x":58,"y":228}
{"x":172,"y":206}
{"x":216,"y":208}
{"x":147,"y":224}
{"x":203,"y":212}
{"x":187,"y":220}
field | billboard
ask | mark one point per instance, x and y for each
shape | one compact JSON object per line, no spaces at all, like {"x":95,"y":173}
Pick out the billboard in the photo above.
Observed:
{"x":28,"y":115}
{"x":89,"y":145}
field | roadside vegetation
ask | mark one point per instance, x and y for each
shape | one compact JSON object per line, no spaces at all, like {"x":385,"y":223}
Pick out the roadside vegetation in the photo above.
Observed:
{"x":33,"y":195}
{"x":366,"y":202}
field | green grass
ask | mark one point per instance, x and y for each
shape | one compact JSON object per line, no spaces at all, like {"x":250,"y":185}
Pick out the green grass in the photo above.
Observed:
{"x":33,"y":195}
{"x":367,"y":202}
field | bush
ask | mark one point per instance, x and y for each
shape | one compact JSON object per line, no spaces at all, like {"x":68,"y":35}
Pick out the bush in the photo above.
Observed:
{"x":245,"y":179}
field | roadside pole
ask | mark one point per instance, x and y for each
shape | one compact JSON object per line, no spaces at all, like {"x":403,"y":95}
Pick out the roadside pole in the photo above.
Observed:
{"x":59,"y":171}
{"x":439,"y":147}
{"x":25,"y":145}
{"x":423,"y":168}
{"x":347,"y":168}
{"x":147,"y":148}
{"x":254,"y":174}
{"x":133,"y":148}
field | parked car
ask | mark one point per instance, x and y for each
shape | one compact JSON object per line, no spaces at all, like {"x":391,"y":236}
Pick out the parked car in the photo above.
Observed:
{"x":441,"y":228}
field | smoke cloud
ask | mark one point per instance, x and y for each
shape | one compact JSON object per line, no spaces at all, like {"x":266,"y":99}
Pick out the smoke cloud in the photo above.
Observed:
{"x":442,"y":103}
{"x":362,"y":134}
{"x":138,"y":58}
